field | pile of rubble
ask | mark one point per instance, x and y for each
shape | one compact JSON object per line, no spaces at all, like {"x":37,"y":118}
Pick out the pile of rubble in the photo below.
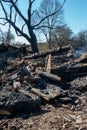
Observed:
{"x":28,"y":81}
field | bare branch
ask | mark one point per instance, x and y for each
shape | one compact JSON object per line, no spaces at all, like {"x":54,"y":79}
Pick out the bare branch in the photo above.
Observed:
{"x":29,"y":10}
{"x":18,"y":29}
{"x":44,"y":26}
{"x":32,"y":1}
{"x":4,"y":9}
{"x":16,"y":8}
{"x":15,"y":16}
{"x":6,"y":0}
{"x":18,"y":33}
{"x":3,"y":23}
{"x":11,"y":12}
{"x":45,"y":34}
{"x":18,"y":11}
{"x":50,"y":15}
{"x":33,"y":12}
{"x":23,"y":27}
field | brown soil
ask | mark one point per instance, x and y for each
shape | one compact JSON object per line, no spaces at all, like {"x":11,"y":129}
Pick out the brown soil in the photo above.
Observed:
{"x":51,"y":118}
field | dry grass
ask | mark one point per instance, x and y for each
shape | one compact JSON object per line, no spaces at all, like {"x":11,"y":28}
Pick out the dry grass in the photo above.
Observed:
{"x":43,"y":46}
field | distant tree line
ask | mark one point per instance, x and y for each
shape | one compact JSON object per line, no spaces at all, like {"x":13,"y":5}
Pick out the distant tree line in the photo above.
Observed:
{"x":6,"y":37}
{"x":63,"y":35}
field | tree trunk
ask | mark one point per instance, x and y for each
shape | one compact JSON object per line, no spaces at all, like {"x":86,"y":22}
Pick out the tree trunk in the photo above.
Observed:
{"x":50,"y":40}
{"x":33,"y":41}
{"x":34,"y":46}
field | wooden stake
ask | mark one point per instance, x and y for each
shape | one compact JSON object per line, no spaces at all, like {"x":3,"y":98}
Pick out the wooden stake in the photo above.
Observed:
{"x":48,"y":67}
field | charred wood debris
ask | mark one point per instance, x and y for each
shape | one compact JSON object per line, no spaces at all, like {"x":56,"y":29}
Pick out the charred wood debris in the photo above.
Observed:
{"x":28,"y":80}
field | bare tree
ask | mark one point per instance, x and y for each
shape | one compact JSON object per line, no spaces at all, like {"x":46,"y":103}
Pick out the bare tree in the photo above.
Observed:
{"x":80,"y":39}
{"x":62,"y":35}
{"x":6,"y":37}
{"x":48,"y":7}
{"x":12,"y":12}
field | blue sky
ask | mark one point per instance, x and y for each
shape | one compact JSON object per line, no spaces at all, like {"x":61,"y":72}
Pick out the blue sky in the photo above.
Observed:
{"x":75,"y":12}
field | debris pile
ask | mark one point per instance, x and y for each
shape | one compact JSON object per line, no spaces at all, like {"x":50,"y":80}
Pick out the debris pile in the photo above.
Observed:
{"x":28,"y":81}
